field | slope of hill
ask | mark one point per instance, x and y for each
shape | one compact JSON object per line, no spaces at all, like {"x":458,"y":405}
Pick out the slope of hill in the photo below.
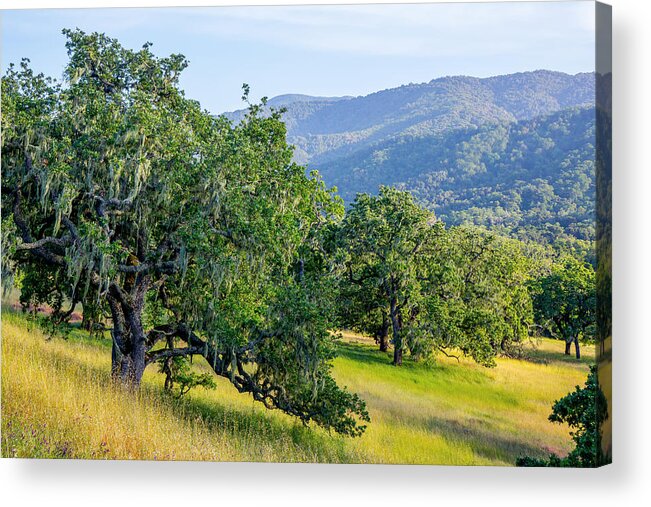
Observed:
{"x":533,"y":174}
{"x":57,"y":402}
{"x":325,"y":128}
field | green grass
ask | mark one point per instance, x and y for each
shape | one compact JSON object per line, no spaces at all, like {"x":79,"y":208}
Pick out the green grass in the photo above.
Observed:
{"x":461,"y":413}
{"x":57,"y":402}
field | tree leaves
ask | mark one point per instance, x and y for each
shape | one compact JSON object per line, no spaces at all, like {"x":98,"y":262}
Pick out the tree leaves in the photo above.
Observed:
{"x":443,"y":289}
{"x":152,"y":207}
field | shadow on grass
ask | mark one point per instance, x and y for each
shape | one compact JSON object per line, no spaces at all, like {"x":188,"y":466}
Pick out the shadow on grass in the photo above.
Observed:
{"x":484,"y":442}
{"x":364,"y":354}
{"x":368,"y":355}
{"x":255,"y":429}
{"x":415,"y":372}
{"x":540,"y":356}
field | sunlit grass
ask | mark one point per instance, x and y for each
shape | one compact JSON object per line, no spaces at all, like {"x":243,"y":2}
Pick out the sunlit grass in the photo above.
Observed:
{"x":57,"y":401}
{"x":485,"y":416}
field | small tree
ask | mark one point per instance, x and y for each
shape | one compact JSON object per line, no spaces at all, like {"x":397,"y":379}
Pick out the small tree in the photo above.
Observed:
{"x":565,"y":302}
{"x":584,"y":411}
{"x":487,"y":308}
{"x":384,"y":239}
{"x":178,"y":371}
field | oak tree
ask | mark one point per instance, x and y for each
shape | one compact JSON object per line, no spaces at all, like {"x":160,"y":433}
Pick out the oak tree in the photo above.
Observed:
{"x":195,"y":236}
{"x":441,"y":290}
{"x":487,"y":307}
{"x":383,"y":238}
{"x":565,"y":302}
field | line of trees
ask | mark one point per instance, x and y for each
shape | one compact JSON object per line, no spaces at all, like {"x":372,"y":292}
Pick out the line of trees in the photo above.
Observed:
{"x":190,"y":236}
{"x":409,"y":281}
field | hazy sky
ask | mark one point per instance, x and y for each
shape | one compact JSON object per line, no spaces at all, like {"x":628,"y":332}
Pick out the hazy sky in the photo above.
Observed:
{"x":322,"y":50}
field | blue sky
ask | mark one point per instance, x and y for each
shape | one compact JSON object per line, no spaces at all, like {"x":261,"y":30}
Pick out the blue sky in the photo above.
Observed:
{"x":322,"y":50}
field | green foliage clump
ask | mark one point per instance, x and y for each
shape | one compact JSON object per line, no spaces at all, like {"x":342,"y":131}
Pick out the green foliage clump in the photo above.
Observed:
{"x":486,"y":308}
{"x":565,"y":301}
{"x":173,"y":225}
{"x":583,"y":410}
{"x":178,"y":370}
{"x":432,"y":289}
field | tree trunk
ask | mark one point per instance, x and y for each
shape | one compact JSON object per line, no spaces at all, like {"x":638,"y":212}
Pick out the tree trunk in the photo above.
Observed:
{"x":396,"y":328}
{"x":139,"y":349}
{"x":568,"y":344}
{"x":128,"y":354}
{"x":576,"y":347}
{"x":383,"y":337}
{"x":129,"y":348}
{"x":397,"y":356}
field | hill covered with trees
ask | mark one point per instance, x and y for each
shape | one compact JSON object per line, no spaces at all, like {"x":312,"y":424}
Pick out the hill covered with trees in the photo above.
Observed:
{"x":512,"y":152}
{"x":534,"y":178}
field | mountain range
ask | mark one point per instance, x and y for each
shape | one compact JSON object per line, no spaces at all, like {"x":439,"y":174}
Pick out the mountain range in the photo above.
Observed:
{"x":513,"y":151}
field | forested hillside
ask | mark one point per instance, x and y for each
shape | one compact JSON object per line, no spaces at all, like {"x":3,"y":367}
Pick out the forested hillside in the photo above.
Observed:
{"x":513,"y":152}
{"x":527,"y":177}
{"x":324,"y":128}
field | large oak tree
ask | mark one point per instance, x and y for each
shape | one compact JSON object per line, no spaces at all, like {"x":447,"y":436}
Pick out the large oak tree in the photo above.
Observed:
{"x":196,"y":236}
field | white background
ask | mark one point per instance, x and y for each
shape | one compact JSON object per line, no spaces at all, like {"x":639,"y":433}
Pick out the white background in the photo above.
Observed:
{"x":626,"y":482}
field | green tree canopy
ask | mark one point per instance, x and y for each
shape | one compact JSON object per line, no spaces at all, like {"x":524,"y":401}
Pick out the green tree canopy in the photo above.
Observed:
{"x":487,"y":308}
{"x":383,"y":238}
{"x":196,"y":236}
{"x":565,"y":302}
{"x":439,"y":289}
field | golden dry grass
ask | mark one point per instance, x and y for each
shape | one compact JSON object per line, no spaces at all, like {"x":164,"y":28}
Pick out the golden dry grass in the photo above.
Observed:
{"x":57,"y":401}
{"x":478,"y":415}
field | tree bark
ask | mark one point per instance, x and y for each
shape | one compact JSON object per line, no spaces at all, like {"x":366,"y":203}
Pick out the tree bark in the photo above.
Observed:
{"x":383,"y":336}
{"x":128,"y":354}
{"x":577,"y":348}
{"x":568,"y":344}
{"x":397,"y":356}
{"x":397,"y":337}
{"x":139,"y":349}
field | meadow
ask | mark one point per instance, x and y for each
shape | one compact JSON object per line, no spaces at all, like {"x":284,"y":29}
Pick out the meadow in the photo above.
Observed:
{"x":58,"y":402}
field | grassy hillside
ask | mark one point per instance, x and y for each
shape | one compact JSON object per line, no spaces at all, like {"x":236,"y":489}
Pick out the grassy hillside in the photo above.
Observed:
{"x":57,"y":402}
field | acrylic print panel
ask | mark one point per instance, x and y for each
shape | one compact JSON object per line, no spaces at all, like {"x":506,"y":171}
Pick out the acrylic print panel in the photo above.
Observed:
{"x":340,"y":234}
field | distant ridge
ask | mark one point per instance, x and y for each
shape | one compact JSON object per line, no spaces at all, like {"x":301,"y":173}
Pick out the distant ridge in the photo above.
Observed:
{"x":514,"y":151}
{"x":283,"y":100}
{"x":323,"y":128}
